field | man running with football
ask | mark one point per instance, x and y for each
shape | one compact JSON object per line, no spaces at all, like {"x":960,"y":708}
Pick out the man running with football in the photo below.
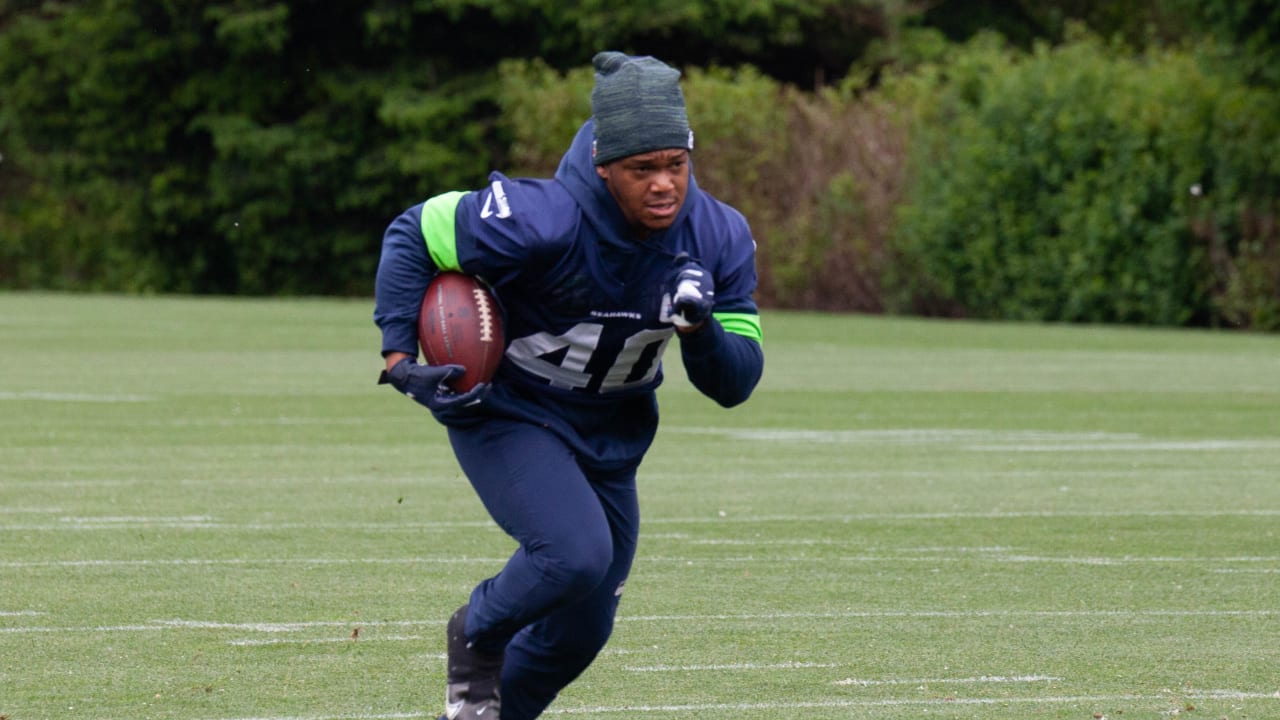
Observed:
{"x":596,"y":270}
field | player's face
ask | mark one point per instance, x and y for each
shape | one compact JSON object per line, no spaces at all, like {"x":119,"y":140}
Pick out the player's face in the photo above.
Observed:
{"x":649,"y":187}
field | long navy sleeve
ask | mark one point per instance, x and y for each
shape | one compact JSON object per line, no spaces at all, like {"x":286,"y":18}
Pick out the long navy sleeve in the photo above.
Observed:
{"x":404,"y":271}
{"x":722,"y":365}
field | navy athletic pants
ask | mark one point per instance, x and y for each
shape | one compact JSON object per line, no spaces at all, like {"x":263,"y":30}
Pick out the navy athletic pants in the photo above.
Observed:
{"x":552,"y":606}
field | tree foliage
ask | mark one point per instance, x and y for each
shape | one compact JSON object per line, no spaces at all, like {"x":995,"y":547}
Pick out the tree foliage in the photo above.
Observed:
{"x":1249,"y":35}
{"x":260,"y":146}
{"x":255,"y":146}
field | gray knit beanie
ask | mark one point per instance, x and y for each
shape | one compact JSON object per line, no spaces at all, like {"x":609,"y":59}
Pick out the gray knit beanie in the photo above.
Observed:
{"x":638,"y":107}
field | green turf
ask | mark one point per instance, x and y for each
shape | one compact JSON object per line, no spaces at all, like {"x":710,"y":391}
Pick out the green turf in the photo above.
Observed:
{"x":202,"y":500}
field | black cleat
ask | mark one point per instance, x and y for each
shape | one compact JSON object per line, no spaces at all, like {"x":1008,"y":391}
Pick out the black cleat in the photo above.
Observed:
{"x":473,"y":678}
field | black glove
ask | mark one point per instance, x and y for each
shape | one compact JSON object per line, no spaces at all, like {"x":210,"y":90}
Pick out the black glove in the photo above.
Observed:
{"x":693,"y":294}
{"x":427,"y":384}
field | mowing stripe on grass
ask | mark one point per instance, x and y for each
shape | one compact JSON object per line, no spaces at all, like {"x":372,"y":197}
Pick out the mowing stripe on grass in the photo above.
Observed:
{"x":75,"y":397}
{"x":72,"y":483}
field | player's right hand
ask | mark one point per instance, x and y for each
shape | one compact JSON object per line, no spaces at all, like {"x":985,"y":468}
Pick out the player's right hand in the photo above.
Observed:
{"x":693,"y":295}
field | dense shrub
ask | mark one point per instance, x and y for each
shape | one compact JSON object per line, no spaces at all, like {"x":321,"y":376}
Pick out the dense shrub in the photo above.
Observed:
{"x":1082,"y":183}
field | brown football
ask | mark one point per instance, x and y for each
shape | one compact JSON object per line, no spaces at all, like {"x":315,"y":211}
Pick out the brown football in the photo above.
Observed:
{"x":460,"y":324}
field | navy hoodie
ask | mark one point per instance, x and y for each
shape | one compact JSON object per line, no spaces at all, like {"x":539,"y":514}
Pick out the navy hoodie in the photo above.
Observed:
{"x":582,"y":300}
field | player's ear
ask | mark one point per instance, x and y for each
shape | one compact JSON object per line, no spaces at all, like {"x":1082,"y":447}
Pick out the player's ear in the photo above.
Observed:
{"x":603,"y":172}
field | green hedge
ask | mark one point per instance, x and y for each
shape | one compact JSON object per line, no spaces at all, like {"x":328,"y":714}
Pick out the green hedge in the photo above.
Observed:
{"x":1084,"y":183}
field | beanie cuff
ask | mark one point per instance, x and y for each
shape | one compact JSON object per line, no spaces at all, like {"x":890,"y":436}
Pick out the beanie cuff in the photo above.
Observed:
{"x":616,"y":148}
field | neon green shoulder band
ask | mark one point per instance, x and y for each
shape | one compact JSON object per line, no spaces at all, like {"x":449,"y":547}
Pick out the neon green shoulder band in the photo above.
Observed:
{"x":438,"y":229}
{"x":744,"y":324}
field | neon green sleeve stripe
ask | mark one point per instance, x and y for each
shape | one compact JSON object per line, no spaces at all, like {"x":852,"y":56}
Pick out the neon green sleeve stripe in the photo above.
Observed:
{"x":743,"y":324}
{"x":437,"y":229}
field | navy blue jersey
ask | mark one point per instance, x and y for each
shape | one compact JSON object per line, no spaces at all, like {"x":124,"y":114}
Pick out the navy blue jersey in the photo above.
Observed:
{"x":583,"y":299}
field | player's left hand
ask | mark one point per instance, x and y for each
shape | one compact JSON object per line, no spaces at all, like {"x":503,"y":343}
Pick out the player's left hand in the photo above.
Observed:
{"x":426,"y":384}
{"x":693,"y":294}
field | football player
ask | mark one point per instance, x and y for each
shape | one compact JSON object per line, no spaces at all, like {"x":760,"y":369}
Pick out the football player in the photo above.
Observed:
{"x":596,"y":269}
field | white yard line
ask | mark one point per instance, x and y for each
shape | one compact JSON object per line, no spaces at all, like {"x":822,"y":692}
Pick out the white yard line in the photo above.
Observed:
{"x":1220,"y":474}
{"x":206,"y":562}
{"x":357,"y":716}
{"x":1144,"y":446}
{"x":290,"y":627}
{"x":951,"y":614}
{"x":900,"y":436}
{"x":973,"y":515}
{"x":925,"y":702}
{"x":889,"y":557}
{"x":730,"y":666}
{"x":311,"y":641}
{"x":981,"y":440}
{"x":203,"y":522}
{"x":851,"y":703}
{"x":90,"y":523}
{"x":981,"y":679}
{"x":1018,"y":474}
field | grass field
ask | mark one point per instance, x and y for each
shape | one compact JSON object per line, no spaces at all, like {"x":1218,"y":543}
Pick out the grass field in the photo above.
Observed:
{"x":209,"y":511}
